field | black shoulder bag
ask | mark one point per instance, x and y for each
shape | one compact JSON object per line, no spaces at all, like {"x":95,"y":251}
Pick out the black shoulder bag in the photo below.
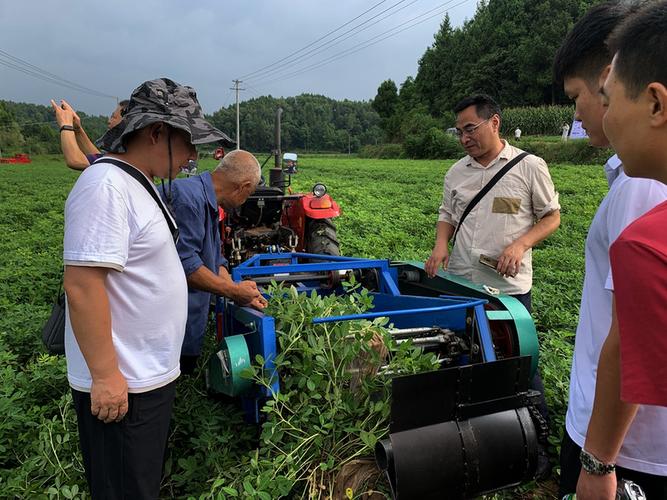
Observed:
{"x":482,"y":192}
{"x":53,"y":332}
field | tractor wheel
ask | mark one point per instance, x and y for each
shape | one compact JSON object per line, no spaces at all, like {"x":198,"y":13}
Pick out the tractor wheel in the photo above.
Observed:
{"x":321,"y":237}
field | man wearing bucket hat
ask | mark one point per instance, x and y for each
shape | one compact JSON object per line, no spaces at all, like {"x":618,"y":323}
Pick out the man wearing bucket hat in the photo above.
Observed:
{"x":126,"y":290}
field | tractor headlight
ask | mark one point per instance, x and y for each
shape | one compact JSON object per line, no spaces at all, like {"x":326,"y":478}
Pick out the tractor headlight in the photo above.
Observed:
{"x":319,"y":190}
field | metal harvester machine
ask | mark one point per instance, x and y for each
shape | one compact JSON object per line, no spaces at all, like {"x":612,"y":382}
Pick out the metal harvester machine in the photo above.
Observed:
{"x":466,"y":429}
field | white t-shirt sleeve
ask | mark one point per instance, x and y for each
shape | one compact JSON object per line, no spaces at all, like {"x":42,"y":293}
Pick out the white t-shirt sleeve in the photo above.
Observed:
{"x":634,"y":198}
{"x":97,"y":231}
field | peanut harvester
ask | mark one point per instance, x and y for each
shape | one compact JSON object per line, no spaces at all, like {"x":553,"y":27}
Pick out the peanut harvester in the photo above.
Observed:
{"x":465,"y":429}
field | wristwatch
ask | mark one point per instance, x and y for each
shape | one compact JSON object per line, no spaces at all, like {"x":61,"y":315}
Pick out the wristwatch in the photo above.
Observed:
{"x":67,"y":127}
{"x":594,"y":466}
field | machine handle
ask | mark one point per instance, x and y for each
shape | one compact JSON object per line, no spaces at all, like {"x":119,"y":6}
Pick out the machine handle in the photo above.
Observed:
{"x":399,"y":312}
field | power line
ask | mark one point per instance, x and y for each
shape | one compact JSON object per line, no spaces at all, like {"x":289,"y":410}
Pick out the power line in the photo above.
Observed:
{"x":13,"y":62}
{"x":368,"y":43}
{"x":313,"y":43}
{"x":341,"y":38}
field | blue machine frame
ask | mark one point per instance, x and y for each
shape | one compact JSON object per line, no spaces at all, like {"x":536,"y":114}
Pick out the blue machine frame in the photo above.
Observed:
{"x":402,"y":311}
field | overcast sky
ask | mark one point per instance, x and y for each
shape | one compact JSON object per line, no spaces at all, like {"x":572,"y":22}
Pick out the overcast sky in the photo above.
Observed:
{"x":112,"y":46}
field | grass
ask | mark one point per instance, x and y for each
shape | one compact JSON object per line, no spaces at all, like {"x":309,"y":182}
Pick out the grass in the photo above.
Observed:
{"x":389,"y":211}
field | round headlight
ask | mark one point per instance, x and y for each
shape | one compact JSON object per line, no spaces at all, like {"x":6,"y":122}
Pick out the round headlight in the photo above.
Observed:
{"x":319,"y":190}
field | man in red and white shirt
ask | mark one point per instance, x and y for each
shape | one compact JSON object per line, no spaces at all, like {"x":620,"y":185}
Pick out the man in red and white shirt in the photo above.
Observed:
{"x":633,"y":360}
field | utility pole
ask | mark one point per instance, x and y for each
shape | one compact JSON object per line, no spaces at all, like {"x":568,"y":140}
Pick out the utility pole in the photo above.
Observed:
{"x":238,"y":127}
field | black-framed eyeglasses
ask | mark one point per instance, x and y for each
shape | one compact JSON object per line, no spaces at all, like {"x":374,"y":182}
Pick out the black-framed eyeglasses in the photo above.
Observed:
{"x":470,"y":130}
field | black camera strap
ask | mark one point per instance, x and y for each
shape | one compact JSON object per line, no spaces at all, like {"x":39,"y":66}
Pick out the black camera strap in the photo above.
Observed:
{"x":482,"y":192}
{"x":149,"y":186}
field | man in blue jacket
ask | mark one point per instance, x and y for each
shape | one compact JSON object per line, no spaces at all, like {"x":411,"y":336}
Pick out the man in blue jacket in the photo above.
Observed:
{"x":195,"y":202}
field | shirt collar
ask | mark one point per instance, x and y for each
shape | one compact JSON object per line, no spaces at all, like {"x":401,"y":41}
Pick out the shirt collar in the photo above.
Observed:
{"x":207,"y":181}
{"x":504,"y":154}
{"x":612,"y":170}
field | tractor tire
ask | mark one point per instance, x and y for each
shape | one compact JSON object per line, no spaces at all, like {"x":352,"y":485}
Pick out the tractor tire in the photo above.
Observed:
{"x":321,"y":237}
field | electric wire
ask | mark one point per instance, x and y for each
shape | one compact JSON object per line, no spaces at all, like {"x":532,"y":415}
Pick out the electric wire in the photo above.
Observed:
{"x":18,"y":64}
{"x":368,"y":43}
{"x":340,"y":38}
{"x":247,"y":75}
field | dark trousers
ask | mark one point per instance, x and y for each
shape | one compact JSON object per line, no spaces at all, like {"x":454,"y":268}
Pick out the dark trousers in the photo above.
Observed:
{"x":655,"y":487}
{"x":124,"y":460}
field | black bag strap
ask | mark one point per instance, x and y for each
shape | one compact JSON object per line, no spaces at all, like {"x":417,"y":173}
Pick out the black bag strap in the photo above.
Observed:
{"x":482,"y":192}
{"x":141,"y":178}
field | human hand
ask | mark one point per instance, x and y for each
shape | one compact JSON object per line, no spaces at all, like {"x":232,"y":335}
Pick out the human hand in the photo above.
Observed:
{"x":108,"y":397}
{"x":63,"y":116}
{"x":439,"y":256}
{"x":592,"y":487}
{"x":247,"y":294}
{"x":509,"y":262}
{"x":77,"y":121}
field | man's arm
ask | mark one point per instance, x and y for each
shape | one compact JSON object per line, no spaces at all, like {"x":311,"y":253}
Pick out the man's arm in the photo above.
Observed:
{"x":610,"y":420}
{"x":90,"y":316}
{"x":244,"y":293}
{"x":509,"y":261}
{"x":82,"y":139}
{"x":74,"y":156}
{"x":440,"y":254}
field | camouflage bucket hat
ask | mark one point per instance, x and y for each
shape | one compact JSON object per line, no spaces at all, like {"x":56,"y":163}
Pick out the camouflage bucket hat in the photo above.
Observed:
{"x":163,"y":100}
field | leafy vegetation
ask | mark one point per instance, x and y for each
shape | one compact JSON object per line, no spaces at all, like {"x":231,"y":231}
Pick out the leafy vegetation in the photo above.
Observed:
{"x":389,"y":211}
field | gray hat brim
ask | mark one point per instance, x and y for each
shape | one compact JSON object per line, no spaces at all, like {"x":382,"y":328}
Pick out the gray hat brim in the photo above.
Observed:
{"x":199,"y":130}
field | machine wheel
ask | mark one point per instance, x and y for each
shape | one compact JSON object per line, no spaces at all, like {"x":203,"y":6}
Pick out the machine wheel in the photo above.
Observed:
{"x":321,"y":237}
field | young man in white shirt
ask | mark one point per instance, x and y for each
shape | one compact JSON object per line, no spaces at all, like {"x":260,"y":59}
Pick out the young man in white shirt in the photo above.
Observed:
{"x":126,"y":290}
{"x":579,"y":64}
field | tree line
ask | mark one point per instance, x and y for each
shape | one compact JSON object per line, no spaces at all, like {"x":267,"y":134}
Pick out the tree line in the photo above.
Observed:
{"x":506,"y":50}
{"x":309,"y":123}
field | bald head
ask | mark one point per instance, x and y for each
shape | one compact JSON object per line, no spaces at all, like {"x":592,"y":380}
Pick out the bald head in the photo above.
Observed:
{"x":235,"y":178}
{"x":240,"y":167}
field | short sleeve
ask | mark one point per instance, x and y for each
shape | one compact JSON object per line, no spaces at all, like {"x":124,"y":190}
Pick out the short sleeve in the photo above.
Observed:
{"x":543,"y":193}
{"x":445,"y":211}
{"x":640,"y":279}
{"x":97,"y":230}
{"x":629,"y":201}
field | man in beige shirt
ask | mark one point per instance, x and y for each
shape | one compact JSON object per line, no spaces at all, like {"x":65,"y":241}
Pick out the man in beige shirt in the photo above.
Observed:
{"x":516,"y":214}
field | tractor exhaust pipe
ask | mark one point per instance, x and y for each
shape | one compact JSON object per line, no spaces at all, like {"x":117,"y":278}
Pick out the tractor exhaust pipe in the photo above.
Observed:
{"x":276,"y":175}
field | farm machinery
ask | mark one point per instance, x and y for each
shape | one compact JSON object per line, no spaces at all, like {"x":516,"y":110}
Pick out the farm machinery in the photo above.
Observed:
{"x":274,"y":219}
{"x":456,"y":432}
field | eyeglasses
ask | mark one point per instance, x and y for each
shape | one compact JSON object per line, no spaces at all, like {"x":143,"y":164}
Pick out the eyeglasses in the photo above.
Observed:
{"x":470,"y":130}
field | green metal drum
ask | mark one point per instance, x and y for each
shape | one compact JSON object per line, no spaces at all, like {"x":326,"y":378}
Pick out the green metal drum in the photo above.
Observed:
{"x":226,"y":366}
{"x":512,"y":327}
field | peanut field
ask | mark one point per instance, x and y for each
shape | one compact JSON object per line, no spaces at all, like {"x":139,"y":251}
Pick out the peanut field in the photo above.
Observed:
{"x":389,"y":211}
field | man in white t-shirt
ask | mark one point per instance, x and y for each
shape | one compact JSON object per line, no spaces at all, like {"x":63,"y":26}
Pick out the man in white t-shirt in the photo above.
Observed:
{"x":126,"y":290}
{"x":579,"y":63}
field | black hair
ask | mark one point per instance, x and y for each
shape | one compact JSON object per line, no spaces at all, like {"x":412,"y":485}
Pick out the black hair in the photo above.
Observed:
{"x":485,"y":106}
{"x":640,"y":45}
{"x":123,"y":106}
{"x":584,"y":53}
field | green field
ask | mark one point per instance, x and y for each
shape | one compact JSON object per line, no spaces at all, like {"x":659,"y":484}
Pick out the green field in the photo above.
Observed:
{"x":389,"y":209}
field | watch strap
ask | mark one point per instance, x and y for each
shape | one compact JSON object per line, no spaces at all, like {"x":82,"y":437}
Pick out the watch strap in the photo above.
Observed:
{"x":67,"y":127}
{"x":591,"y":464}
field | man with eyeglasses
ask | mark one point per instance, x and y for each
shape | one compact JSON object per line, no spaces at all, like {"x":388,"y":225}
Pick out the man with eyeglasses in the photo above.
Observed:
{"x":517,"y":213}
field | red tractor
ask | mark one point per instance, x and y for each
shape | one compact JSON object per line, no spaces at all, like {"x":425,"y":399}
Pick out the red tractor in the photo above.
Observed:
{"x":275,"y":220}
